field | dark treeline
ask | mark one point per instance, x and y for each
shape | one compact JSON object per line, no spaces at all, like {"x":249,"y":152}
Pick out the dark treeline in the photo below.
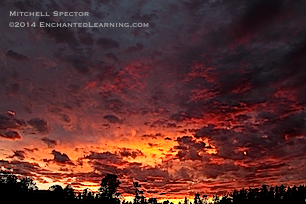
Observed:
{"x":14,"y":190}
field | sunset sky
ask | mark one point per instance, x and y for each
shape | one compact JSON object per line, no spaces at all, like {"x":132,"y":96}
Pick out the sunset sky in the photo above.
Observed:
{"x":209,"y":98}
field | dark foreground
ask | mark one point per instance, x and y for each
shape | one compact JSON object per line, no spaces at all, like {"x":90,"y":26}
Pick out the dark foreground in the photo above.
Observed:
{"x":14,"y":189}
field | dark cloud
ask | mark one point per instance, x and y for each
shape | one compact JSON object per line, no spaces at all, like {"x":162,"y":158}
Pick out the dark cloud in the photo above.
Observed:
{"x":13,"y":135}
{"x":108,"y":74}
{"x":144,"y":17}
{"x":213,"y":170}
{"x":189,"y":141}
{"x":151,"y":145}
{"x":159,"y":123}
{"x":27,"y":5}
{"x":60,"y":34}
{"x":153,"y":136}
{"x":183,"y":174}
{"x":107,"y":43}
{"x":61,"y":158}
{"x":49,"y":142}
{"x":19,"y":154}
{"x":40,"y":125}
{"x":147,"y":174}
{"x":189,"y":148}
{"x":115,"y":105}
{"x":178,"y":116}
{"x":291,"y":126}
{"x":205,"y":131}
{"x":21,"y":167}
{"x":31,"y":150}
{"x":64,"y":117}
{"x":10,"y":123}
{"x":136,"y":48}
{"x":78,"y":61}
{"x":85,"y":37}
{"x":126,"y":152}
{"x":112,"y":119}
{"x":12,"y":88}
{"x":106,"y":156}
{"x":259,"y":15}
{"x":112,"y":56}
{"x":9,"y":127}
{"x":16,"y":56}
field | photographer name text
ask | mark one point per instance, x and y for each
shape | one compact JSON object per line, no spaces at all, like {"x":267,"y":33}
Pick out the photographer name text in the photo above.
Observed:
{"x":52,"y":24}
{"x":54,"y":13}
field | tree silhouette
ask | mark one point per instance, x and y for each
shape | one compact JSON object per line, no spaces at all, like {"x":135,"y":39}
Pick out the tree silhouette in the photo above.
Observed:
{"x":57,"y":192}
{"x":10,"y":186}
{"x":166,"y":202}
{"x":137,"y":198}
{"x":27,"y":185}
{"x":87,"y":195}
{"x":152,"y":201}
{"x":109,"y":189}
{"x":197,"y":199}
{"x":69,"y":193}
